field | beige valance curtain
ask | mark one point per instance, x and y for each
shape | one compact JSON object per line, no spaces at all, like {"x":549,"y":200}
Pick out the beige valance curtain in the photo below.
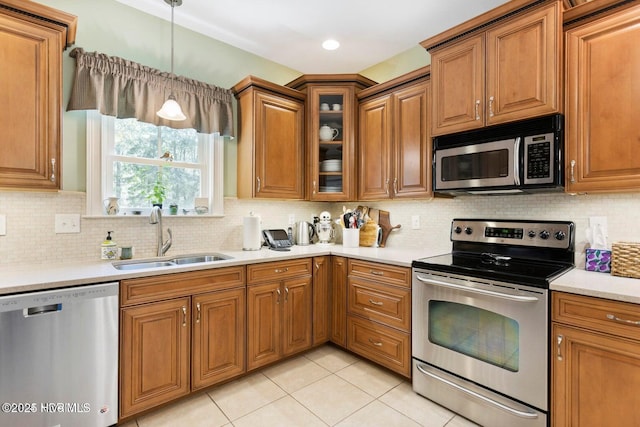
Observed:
{"x":125,"y":89}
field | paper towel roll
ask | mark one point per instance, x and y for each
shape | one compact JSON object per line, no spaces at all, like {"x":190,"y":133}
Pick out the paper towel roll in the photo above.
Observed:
{"x":252,"y":239}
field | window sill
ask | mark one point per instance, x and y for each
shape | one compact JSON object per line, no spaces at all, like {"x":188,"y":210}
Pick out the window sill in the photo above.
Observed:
{"x":164,"y":216}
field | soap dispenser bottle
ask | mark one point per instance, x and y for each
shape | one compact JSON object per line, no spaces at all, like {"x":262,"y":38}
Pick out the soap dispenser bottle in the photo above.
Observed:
{"x":108,"y":248}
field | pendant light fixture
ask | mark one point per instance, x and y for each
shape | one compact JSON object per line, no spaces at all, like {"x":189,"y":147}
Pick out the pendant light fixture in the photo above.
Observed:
{"x":171,"y":109}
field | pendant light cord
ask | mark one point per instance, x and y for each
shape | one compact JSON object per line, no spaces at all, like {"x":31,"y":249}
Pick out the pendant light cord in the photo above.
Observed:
{"x":172,"y":8}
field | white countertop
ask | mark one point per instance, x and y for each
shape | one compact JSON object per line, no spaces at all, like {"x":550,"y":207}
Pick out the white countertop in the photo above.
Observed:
{"x":602,"y":285}
{"x":51,"y":276}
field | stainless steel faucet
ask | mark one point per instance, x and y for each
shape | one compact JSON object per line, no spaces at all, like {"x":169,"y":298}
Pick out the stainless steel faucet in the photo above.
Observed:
{"x":156,"y":218}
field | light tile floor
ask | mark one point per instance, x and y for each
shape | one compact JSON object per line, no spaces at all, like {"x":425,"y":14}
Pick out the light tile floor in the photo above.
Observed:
{"x":324,"y":387}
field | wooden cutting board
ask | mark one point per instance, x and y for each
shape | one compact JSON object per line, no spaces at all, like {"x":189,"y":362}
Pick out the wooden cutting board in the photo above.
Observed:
{"x":385,"y":223}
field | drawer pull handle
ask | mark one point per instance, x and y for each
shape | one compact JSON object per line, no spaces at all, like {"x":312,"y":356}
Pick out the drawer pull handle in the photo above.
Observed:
{"x":286,"y":294}
{"x":573,"y":168}
{"x":53,"y":170}
{"x":184,"y":315}
{"x":376,"y":343}
{"x":477,"y":109}
{"x":198,"y":314}
{"x":376,"y":302}
{"x":559,"y":339}
{"x":258,"y":184}
{"x":376,"y":272}
{"x":617,"y":319}
{"x":281,"y":270}
{"x":278,"y":298}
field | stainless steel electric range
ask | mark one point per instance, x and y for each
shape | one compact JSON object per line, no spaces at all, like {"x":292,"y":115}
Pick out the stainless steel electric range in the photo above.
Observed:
{"x":481,"y":319}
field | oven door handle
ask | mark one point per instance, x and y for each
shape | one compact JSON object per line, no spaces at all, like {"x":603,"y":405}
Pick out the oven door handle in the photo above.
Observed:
{"x":518,"y":298}
{"x":485,"y":399}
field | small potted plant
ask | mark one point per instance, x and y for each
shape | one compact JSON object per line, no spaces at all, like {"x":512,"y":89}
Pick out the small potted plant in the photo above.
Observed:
{"x":158,"y":192}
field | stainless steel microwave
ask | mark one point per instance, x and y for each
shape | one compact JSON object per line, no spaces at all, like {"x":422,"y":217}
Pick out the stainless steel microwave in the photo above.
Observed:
{"x":519,"y":157}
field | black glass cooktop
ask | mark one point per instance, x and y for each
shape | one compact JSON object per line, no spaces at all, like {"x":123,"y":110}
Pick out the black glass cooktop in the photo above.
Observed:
{"x":496,"y":267}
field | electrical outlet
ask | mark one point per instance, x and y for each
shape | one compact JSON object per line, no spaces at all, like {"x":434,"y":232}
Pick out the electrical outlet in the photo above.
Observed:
{"x":67,"y":223}
{"x":415,"y":222}
{"x":3,"y":225}
{"x":292,"y":219}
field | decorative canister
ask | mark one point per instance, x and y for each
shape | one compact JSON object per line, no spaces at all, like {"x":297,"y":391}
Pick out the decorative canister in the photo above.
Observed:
{"x":111,"y":206}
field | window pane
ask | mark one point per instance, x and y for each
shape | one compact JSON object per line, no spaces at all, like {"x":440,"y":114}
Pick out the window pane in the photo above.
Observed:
{"x":183,"y":186}
{"x":135,"y":139}
{"x":181,"y":143}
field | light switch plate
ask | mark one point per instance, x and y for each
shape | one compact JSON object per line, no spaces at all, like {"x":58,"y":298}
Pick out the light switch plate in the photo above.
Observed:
{"x":67,"y":223}
{"x":3,"y":225}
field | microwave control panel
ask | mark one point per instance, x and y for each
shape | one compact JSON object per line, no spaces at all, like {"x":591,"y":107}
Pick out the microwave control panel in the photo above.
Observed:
{"x":539,"y":159}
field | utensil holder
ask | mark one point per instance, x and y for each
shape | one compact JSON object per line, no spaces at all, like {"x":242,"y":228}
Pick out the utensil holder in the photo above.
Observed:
{"x":350,"y":237}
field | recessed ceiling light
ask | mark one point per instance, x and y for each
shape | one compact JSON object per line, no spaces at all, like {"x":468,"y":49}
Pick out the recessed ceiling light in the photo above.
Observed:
{"x":330,"y":44}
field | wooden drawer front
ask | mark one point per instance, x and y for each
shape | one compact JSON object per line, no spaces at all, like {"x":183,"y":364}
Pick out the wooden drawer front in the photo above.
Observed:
{"x":384,"y":273}
{"x":597,"y":314}
{"x":278,"y":270}
{"x":156,"y":288}
{"x":386,"y":304}
{"x":389,"y":347}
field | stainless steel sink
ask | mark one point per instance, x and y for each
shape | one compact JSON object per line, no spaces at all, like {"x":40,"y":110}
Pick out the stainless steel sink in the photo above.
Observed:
{"x":200,"y":258}
{"x":171,"y":262}
{"x":143,"y":264}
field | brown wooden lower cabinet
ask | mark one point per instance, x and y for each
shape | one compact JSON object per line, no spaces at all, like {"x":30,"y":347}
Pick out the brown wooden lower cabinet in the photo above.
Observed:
{"x":338,"y":300}
{"x":321,"y":283}
{"x":189,"y":340}
{"x":154,"y":354}
{"x":387,"y":346}
{"x":279,"y":310}
{"x":595,"y":362}
{"x":379,"y":314}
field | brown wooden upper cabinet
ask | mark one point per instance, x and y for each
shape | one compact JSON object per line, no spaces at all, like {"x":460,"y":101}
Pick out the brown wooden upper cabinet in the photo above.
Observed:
{"x":331,"y":133}
{"x":394,"y":147}
{"x":502,"y":66}
{"x":32,"y":38}
{"x":603,"y":68}
{"x":270,"y":140}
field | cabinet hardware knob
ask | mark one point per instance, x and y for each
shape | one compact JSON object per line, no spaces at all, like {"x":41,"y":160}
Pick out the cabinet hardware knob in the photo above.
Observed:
{"x":376,"y":343}
{"x":379,"y":303}
{"x":477,"y":109}
{"x":573,"y":167}
{"x":617,"y":319}
{"x":184,"y":315}
{"x":491,"y":99}
{"x":559,"y":339}
{"x":198,"y":313}
{"x":53,"y":170}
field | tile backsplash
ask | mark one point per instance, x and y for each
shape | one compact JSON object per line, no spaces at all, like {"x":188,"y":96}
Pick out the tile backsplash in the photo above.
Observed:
{"x":31,"y":236}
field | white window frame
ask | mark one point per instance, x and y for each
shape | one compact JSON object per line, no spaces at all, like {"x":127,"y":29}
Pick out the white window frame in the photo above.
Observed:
{"x":101,"y":128}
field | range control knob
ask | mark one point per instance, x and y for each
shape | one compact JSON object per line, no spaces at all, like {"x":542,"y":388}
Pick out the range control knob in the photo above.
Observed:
{"x":531,"y":233}
{"x":468,"y":230}
{"x":544,"y":234}
{"x":560,"y":235}
{"x":457,"y":230}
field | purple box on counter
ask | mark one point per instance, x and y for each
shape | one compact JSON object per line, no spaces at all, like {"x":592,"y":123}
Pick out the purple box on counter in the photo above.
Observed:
{"x":598,"y":260}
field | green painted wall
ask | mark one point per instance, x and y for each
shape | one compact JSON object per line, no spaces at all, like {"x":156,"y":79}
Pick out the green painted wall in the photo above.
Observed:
{"x":112,"y":28}
{"x":398,"y":65}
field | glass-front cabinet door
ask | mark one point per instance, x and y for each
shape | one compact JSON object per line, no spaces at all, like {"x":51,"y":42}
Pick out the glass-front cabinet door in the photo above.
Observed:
{"x":331,"y":143}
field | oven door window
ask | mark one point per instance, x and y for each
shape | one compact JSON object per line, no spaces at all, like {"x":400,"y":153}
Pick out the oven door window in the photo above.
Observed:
{"x":475,"y":332}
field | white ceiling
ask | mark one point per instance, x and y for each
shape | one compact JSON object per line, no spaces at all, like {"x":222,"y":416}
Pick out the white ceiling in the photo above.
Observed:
{"x":290,"y":32}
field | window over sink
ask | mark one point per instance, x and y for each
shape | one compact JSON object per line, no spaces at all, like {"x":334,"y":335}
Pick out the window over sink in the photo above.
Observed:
{"x":133,"y":161}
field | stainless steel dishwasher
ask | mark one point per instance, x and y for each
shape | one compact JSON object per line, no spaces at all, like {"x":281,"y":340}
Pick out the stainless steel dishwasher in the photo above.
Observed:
{"x":59,"y":357}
